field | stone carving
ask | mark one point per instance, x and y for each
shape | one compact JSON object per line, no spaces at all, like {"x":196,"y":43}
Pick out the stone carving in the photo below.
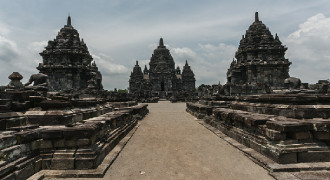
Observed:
{"x":292,"y":83}
{"x":38,"y":80}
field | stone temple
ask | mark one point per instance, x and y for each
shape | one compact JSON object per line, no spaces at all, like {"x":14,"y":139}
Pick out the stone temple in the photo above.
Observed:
{"x":68,"y":63}
{"x":260,"y":64}
{"x":162,"y":79}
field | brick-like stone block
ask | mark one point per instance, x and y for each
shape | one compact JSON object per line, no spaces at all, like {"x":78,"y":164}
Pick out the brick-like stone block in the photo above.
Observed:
{"x":275,"y":135}
{"x":51,"y":134}
{"x":85,"y":163}
{"x":314,"y":156}
{"x":62,"y":163}
{"x":299,"y":135}
{"x":35,"y":145}
{"x":59,"y":143}
{"x":322,"y":135}
{"x":25,"y":172}
{"x":46,"y":163}
{"x":83,"y":142}
{"x":287,"y":158}
{"x":46,"y":144}
{"x":38,"y":165}
{"x":7,"y":140}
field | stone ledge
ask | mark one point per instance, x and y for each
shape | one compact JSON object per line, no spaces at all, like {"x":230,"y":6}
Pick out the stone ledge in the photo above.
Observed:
{"x":265,"y":162}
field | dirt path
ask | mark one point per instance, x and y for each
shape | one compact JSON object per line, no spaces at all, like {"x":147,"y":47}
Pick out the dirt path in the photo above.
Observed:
{"x":170,"y":144}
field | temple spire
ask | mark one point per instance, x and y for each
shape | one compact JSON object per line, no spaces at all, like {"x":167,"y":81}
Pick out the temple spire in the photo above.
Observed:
{"x":256,"y":16}
{"x":186,"y":63}
{"x":137,"y":63}
{"x":69,"y":21}
{"x":161,"y":43}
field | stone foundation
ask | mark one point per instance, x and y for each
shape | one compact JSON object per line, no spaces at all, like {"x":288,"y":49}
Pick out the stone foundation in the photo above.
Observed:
{"x":82,"y":144}
{"x":286,"y":133}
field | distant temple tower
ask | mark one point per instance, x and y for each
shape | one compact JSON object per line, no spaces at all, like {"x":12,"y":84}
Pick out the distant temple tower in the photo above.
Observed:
{"x":67,"y":62}
{"x":260,"y":62}
{"x":162,"y":79}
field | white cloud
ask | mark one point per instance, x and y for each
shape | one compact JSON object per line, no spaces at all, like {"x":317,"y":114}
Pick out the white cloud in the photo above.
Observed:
{"x":8,"y":50}
{"x":37,"y":47}
{"x":309,"y":49}
{"x":108,"y":66}
{"x":317,"y":25}
{"x":209,"y":62}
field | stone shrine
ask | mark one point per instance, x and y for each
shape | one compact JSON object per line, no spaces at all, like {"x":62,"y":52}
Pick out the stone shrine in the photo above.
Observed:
{"x":68,"y":63}
{"x":162,"y":79}
{"x":260,"y":64}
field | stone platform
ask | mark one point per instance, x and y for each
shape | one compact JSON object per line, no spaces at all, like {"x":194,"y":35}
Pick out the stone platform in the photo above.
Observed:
{"x":66,"y":139}
{"x":286,"y":130}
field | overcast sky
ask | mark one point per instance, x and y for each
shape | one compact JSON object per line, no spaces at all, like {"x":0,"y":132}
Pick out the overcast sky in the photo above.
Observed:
{"x":205,"y":32}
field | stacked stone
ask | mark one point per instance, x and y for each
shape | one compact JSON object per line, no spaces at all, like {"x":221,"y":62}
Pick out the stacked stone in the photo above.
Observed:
{"x":260,"y":62}
{"x":68,"y":63}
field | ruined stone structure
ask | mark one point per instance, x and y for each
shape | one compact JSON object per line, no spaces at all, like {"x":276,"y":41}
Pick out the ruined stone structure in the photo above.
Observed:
{"x":162,"y":79}
{"x":260,"y":64}
{"x":74,"y":127}
{"x":286,"y":128}
{"x":68,"y":63}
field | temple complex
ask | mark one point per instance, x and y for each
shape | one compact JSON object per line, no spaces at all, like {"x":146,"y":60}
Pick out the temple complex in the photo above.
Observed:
{"x":260,"y":64}
{"x":61,"y":123}
{"x":162,"y":79}
{"x":68,"y":63}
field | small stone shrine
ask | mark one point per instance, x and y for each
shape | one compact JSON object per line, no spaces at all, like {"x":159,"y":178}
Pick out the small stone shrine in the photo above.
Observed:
{"x":68,"y":63}
{"x":162,"y":79}
{"x":260,"y":64}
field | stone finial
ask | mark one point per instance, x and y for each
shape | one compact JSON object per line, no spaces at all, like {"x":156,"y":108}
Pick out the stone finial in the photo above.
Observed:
{"x":256,"y":16}
{"x":161,"y":42}
{"x":186,"y":63}
{"x":69,"y":21}
{"x":15,"y":82}
{"x":137,"y":63}
{"x":15,"y":76}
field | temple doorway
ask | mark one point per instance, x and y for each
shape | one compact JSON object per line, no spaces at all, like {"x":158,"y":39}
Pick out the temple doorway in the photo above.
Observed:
{"x":162,"y":86}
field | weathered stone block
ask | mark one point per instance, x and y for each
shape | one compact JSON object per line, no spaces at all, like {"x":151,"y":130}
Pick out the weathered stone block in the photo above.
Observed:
{"x":35,"y":145}
{"x":25,"y":172}
{"x":38,"y":165}
{"x":46,"y":163}
{"x":299,"y":135}
{"x":51,"y":134}
{"x":59,"y":143}
{"x":314,"y":156}
{"x":64,"y":154}
{"x":322,"y":135}
{"x":83,"y":142}
{"x":11,"y":152}
{"x":7,"y":140}
{"x":46,"y":144}
{"x":275,"y":135}
{"x":85,"y":163}
{"x":62,"y":163}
